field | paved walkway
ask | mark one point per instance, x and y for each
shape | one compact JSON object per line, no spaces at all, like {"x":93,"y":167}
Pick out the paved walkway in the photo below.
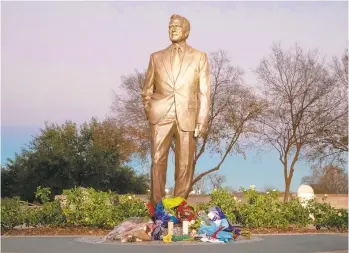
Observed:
{"x":262,"y":244}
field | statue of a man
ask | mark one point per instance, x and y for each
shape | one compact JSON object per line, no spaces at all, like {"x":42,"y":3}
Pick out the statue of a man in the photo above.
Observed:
{"x":176,"y":98}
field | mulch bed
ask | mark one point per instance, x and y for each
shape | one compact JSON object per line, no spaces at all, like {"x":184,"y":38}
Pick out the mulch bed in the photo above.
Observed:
{"x":292,"y":230}
{"x":88,"y":231}
{"x":59,"y":231}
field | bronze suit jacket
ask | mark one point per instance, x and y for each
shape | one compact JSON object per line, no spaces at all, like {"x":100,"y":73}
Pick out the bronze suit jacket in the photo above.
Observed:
{"x":190,"y":91}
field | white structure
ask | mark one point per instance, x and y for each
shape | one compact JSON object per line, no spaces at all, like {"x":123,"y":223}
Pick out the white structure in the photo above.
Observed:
{"x":304,"y":194}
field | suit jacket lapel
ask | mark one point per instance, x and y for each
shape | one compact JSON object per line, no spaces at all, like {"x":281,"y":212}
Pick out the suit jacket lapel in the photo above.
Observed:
{"x":166,"y":60}
{"x":187,"y":59}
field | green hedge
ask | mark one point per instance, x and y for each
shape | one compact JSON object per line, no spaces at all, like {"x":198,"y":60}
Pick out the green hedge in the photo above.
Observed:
{"x":87,"y":207}
{"x":265,"y":210}
{"x":100,"y":209}
{"x":82,"y":207}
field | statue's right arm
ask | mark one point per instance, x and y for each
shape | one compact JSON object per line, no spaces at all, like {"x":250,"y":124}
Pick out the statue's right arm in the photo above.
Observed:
{"x":148,"y":87}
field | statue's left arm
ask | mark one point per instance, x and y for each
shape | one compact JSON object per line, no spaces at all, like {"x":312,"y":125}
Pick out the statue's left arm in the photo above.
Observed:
{"x":204,"y":92}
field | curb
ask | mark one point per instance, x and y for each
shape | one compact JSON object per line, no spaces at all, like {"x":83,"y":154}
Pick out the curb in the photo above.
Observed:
{"x":340,"y":251}
{"x":161,"y":243}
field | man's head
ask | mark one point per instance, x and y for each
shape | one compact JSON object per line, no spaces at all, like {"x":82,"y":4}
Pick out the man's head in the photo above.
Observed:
{"x":179,"y":28}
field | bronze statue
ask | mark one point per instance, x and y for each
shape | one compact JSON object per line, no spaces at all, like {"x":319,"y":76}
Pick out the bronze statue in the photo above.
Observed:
{"x":176,"y":98}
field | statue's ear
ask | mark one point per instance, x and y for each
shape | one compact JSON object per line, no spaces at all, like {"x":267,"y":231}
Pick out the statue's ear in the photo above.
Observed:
{"x":186,"y":34}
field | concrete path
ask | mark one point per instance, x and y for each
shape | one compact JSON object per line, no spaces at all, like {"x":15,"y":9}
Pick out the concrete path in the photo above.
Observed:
{"x":261,"y":244}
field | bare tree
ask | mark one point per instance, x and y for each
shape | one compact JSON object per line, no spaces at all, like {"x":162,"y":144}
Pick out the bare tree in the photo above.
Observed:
{"x":302,"y":102}
{"x":233,"y":111}
{"x":327,"y":180}
{"x":217,"y":180}
{"x":200,"y":186}
{"x":340,"y":69}
{"x":332,"y":145}
{"x":130,"y":116}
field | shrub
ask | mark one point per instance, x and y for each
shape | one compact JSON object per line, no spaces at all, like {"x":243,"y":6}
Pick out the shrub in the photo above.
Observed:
{"x":43,"y":194}
{"x":88,"y":207}
{"x":202,"y":206}
{"x":32,"y":216}
{"x":101,"y":209}
{"x":295,"y":213}
{"x":11,"y":213}
{"x":129,"y":206}
{"x":327,"y":216}
{"x":50,"y":213}
{"x":261,"y":210}
{"x":339,"y":219}
{"x":226,"y":202}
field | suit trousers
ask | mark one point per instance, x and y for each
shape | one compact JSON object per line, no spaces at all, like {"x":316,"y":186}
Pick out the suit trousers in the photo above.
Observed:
{"x":162,"y":135}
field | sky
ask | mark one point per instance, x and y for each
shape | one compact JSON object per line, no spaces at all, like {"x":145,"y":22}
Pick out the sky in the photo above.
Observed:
{"x":62,"y":60}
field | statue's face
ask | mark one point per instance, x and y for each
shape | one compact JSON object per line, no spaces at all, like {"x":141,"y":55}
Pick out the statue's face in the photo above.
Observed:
{"x":176,"y":31}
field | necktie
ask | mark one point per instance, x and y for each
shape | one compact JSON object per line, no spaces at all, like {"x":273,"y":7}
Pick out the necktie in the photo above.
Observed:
{"x":176,"y":65}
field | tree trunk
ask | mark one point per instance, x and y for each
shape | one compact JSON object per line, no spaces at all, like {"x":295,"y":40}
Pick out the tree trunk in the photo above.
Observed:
{"x":287,"y":189}
{"x":288,"y":178}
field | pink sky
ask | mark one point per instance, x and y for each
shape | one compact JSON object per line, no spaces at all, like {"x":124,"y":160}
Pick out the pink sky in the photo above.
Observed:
{"x":61,"y":60}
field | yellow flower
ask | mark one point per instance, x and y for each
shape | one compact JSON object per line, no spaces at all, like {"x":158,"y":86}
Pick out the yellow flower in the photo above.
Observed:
{"x":167,"y":238}
{"x":339,"y":214}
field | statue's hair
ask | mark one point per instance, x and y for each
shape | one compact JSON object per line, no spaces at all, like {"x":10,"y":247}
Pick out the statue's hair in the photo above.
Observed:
{"x":186,"y":23}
